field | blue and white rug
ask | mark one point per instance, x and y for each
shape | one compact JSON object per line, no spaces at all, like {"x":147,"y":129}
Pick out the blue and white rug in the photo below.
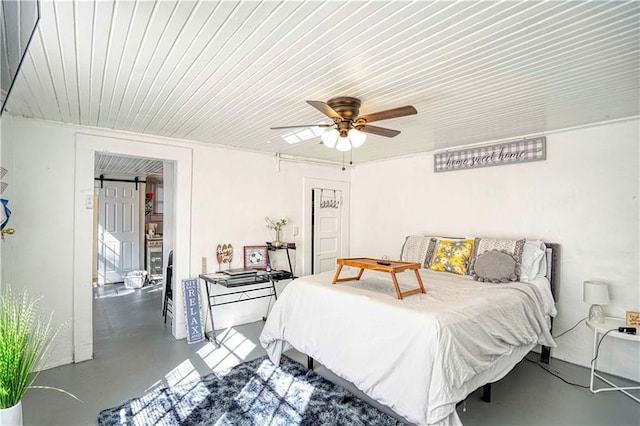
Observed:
{"x":254,"y":393}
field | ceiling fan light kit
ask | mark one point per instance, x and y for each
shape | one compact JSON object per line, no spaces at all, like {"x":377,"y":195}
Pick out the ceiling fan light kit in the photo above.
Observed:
{"x":343,"y":141}
{"x":343,"y":144}
{"x":348,"y":128}
{"x":357,"y":138}
{"x":330,"y":137}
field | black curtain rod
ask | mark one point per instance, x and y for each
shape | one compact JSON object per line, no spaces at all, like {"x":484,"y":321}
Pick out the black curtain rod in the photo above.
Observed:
{"x":103,"y":179}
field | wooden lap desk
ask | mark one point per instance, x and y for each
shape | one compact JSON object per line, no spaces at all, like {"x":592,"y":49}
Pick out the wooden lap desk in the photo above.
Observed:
{"x":371,"y":264}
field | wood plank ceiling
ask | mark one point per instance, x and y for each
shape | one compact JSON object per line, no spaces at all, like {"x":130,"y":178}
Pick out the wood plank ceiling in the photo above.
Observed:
{"x":223,"y":72}
{"x":120,"y":166}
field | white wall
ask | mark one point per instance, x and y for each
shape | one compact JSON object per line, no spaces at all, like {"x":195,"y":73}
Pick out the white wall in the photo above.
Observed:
{"x":231,"y":193}
{"x":584,"y":197}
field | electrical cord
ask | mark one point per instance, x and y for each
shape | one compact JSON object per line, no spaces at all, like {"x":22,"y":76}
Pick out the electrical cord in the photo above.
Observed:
{"x":555,"y":373}
{"x":572,"y":328}
{"x":600,"y":341}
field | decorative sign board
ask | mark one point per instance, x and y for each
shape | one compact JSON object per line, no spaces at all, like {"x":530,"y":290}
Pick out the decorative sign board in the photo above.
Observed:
{"x":633,"y":318}
{"x":192,"y":311}
{"x":533,"y":149}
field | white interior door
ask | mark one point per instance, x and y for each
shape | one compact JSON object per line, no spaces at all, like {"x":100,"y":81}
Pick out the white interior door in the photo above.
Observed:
{"x":327,"y":229}
{"x":118,"y":231}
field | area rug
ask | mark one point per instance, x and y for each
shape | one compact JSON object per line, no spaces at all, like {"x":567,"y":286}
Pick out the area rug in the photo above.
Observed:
{"x":253,"y":393}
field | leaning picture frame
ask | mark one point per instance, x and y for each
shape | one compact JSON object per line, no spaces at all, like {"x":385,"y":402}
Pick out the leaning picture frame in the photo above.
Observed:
{"x":256,"y":257}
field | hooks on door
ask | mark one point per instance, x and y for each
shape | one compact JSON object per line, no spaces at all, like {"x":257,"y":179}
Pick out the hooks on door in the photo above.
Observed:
{"x":329,"y":203}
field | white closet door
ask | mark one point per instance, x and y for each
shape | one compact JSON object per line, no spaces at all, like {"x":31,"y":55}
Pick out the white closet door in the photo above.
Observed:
{"x":118,"y":232}
{"x":327,"y":234}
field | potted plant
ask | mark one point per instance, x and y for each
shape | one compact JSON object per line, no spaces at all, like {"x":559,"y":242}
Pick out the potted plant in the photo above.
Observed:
{"x":277,"y":226}
{"x":25,"y":344}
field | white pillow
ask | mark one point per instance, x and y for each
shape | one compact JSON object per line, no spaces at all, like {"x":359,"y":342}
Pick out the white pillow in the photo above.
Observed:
{"x":414,"y":249}
{"x":534,"y":262}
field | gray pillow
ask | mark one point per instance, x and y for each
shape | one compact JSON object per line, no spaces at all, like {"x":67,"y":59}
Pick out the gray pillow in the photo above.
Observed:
{"x":496,"y":266}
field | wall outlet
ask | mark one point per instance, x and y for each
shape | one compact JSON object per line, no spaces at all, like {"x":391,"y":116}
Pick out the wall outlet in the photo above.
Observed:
{"x":296,"y":231}
{"x":204,"y":265}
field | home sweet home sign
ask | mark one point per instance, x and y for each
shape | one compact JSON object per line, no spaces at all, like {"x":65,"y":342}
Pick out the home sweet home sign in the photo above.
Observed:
{"x":526,"y":150}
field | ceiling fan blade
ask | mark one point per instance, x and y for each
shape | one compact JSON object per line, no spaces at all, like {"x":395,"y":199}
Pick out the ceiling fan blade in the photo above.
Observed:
{"x":302,"y":125}
{"x":324,"y":108}
{"x":381,"y":131}
{"x":390,"y":113}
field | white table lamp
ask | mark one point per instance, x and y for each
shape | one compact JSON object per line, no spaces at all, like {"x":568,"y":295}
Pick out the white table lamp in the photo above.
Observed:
{"x":596,"y":293}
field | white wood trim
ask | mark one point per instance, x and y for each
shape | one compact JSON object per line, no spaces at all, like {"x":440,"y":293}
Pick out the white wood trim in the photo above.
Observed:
{"x":86,"y":147}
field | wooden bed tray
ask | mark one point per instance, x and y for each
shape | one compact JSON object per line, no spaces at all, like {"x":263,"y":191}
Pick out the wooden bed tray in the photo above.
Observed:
{"x":390,"y":266}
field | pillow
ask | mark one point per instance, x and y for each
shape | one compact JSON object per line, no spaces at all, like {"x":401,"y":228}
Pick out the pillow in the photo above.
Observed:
{"x":414,"y":249}
{"x":532,"y":257}
{"x":512,"y":247}
{"x":495,"y":266}
{"x":433,"y":244}
{"x":452,"y":256}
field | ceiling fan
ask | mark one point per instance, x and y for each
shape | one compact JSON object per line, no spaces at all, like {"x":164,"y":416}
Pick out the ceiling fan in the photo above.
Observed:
{"x":348,"y":126}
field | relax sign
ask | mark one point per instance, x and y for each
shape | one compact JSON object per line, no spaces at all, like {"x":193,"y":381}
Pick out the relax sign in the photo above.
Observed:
{"x":534,"y":149}
{"x":192,"y":311}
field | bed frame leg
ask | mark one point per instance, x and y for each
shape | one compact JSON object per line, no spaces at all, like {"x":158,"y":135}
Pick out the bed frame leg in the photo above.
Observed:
{"x":486,"y":392}
{"x":545,"y":354}
{"x":309,"y":362}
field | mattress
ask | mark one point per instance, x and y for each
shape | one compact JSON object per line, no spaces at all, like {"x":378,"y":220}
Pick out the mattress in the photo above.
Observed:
{"x":420,"y":355}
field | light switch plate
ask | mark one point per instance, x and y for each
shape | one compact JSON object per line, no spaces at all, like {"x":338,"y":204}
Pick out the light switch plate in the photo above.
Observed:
{"x":296,"y":230}
{"x":204,"y":265}
{"x":88,"y":201}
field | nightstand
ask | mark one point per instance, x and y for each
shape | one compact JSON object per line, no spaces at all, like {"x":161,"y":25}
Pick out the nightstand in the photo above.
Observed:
{"x":598,"y":329}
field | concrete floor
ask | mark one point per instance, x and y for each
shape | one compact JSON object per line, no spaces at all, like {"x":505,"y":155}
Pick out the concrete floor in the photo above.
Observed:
{"x":134,"y":351}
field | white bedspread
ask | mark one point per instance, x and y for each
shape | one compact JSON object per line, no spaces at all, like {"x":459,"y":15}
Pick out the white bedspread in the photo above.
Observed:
{"x":415,"y":355}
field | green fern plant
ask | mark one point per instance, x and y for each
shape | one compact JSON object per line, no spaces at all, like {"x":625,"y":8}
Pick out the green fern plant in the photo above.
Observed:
{"x":25,"y":344}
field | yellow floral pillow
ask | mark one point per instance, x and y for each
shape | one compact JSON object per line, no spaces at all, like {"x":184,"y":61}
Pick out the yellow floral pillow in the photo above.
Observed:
{"x":452,"y":256}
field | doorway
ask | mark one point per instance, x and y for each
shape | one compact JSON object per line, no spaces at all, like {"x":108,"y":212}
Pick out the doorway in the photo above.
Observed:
{"x":128,"y":220}
{"x":177,"y":167}
{"x":326,"y":230}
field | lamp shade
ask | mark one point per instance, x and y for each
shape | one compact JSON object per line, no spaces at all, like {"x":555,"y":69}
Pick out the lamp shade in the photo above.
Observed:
{"x":596,"y":293}
{"x":330,"y":137}
{"x":343,"y":144}
{"x":357,"y":137}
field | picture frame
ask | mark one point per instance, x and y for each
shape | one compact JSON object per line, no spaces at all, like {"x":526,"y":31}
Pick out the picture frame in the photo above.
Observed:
{"x":256,"y":257}
{"x":633,"y":318}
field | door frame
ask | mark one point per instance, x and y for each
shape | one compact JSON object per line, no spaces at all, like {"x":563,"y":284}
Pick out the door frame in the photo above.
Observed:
{"x":307,"y":200}
{"x":86,"y":147}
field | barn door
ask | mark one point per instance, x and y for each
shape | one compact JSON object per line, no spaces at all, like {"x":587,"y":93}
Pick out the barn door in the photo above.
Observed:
{"x":118,"y":231}
{"x":327,"y":229}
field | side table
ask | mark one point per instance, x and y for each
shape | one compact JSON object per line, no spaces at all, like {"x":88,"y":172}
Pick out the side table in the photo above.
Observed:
{"x":598,"y":329}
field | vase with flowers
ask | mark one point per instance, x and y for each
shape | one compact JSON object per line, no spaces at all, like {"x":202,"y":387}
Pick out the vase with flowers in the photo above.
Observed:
{"x":277,"y":226}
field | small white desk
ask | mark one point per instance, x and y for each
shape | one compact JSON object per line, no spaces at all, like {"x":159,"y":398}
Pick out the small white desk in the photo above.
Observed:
{"x":598,"y":329}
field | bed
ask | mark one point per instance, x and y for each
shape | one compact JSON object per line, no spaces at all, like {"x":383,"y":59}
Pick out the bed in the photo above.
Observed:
{"x":422,"y":355}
